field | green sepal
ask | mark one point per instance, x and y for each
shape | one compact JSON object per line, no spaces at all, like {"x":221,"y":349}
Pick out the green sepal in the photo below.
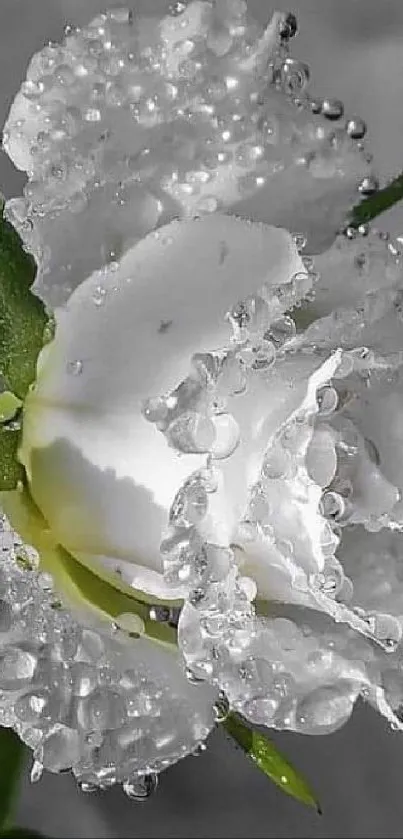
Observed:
{"x":270,"y":761}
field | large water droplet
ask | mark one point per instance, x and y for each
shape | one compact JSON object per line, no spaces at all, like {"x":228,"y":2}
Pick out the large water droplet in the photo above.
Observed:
{"x":227,"y":436}
{"x":61,"y":750}
{"x":141,"y":787}
{"x":100,"y":710}
{"x":332,"y":109}
{"x":326,"y":709}
{"x":261,"y":710}
{"x":83,"y":678}
{"x":192,"y":433}
{"x":17,"y":668}
{"x":327,"y":399}
{"x":190,"y":504}
{"x":280,"y":331}
{"x":356,"y":128}
{"x":277,"y":463}
{"x":387,"y":629}
{"x":221,"y":708}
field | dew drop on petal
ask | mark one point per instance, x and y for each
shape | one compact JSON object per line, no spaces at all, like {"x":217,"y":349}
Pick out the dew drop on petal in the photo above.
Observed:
{"x":227,"y":436}
{"x":221,"y":709}
{"x":192,"y":433}
{"x":325,"y":709}
{"x":356,"y":128}
{"x":141,"y":787}
{"x":75,"y":367}
{"x":327,"y":399}
{"x":332,"y":109}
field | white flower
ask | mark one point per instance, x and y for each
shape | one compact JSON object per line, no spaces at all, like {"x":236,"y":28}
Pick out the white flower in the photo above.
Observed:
{"x":188,"y":439}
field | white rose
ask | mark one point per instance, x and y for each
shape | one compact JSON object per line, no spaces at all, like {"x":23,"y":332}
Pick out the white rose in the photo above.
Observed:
{"x":187,"y":439}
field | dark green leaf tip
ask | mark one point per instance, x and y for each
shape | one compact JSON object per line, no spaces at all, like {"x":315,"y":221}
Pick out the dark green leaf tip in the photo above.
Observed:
{"x":270,"y":761}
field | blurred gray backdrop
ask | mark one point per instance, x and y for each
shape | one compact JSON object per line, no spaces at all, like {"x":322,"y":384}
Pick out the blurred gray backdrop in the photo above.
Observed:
{"x":355,"y":50}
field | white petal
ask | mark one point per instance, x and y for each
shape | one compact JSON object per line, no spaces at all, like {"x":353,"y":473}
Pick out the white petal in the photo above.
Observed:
{"x":118,"y":141}
{"x":357,"y":296}
{"x":84,"y":430}
{"x":85,"y":697}
{"x":295,"y":669}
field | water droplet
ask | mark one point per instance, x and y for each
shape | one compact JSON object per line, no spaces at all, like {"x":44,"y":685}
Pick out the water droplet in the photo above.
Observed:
{"x":288,"y":26}
{"x":332,"y":109}
{"x":36,"y":771}
{"x":131,"y":623}
{"x":17,"y":668}
{"x":327,"y":399}
{"x":277,"y":463}
{"x":356,"y":128}
{"x":155,"y":410}
{"x":38,"y":704}
{"x":332,"y":505}
{"x":281,"y":330}
{"x":387,"y":629}
{"x":192,"y":678}
{"x":295,"y":76}
{"x":61,"y":749}
{"x":75,"y":367}
{"x":190,"y":504}
{"x":83,"y":678}
{"x":221,"y":708}
{"x":227,"y":436}
{"x":368,"y":185}
{"x":261,"y":710}
{"x":100,"y":710}
{"x":264,"y":356}
{"x":86,"y":787}
{"x":99,"y":295}
{"x":141,"y":787}
{"x":92,"y":646}
{"x":69,"y":29}
{"x":316,"y":106}
{"x":177,"y":8}
{"x":326,"y":709}
{"x":192,"y":433}
{"x":160,"y":614}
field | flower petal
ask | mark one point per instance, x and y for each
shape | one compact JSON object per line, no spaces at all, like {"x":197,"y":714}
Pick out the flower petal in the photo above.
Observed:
{"x":294,"y":669}
{"x":125,"y":126}
{"x":84,"y":695}
{"x":357,"y":295}
{"x":121,"y":340}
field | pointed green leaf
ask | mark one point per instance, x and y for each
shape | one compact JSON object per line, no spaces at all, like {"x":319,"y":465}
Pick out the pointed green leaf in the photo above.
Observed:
{"x":12,"y":754}
{"x":22,"y":315}
{"x":270,"y":761}
{"x":378,"y":203}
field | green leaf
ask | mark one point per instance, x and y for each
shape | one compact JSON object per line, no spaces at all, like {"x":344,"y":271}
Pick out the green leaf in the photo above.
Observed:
{"x":22,"y":315}
{"x":12,"y":754}
{"x":11,"y":471}
{"x":378,"y":203}
{"x":270,"y":761}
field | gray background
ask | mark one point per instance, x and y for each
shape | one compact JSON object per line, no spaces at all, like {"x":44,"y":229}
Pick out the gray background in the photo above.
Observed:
{"x":355,"y":50}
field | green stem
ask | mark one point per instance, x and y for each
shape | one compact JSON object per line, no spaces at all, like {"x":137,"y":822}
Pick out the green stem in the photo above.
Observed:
{"x":376,"y":204}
